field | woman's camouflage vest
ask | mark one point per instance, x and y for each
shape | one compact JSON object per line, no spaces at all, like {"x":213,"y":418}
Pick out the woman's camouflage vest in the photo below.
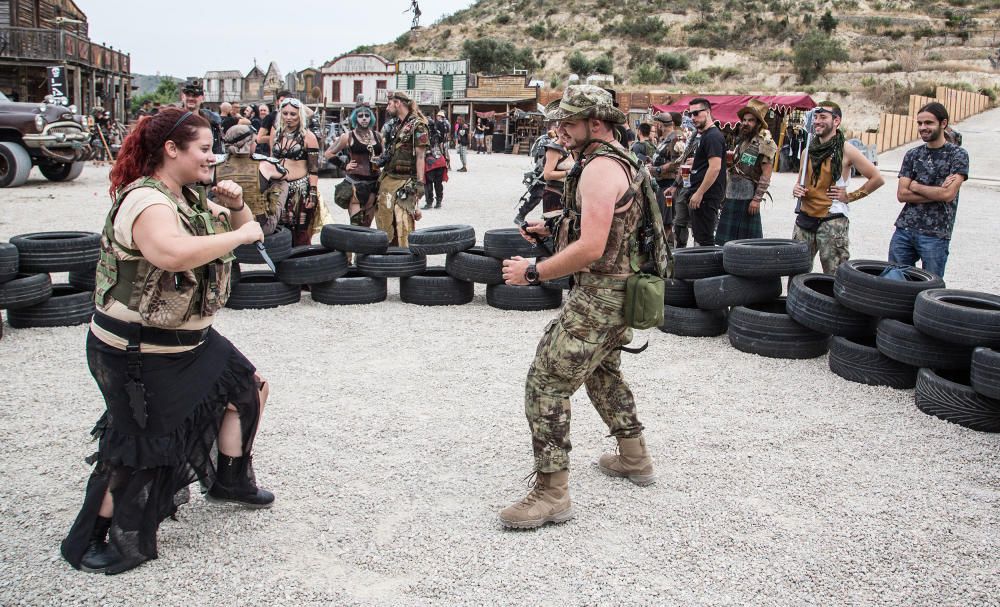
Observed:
{"x":162,"y":298}
{"x":619,"y":248}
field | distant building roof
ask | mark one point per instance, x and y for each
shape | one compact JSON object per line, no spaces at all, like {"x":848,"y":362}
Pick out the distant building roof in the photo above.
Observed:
{"x":223,"y":74}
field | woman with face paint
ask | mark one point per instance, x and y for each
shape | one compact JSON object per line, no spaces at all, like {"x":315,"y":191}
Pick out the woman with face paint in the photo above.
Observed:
{"x":356,"y":192}
{"x":297,"y":147}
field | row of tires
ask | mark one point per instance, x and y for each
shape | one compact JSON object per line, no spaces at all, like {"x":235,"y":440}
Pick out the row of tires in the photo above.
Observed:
{"x":26,"y":289}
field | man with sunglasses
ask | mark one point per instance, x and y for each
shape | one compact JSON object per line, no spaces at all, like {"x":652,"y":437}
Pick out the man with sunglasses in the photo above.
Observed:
{"x":822,"y":219}
{"x":708,"y":180}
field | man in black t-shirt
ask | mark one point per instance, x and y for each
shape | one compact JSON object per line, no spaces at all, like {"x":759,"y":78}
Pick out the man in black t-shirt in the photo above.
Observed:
{"x":264,"y":134}
{"x":462,"y":134}
{"x":708,"y":179}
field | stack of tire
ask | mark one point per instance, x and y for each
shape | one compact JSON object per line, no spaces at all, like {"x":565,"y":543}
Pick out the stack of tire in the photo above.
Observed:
{"x":484,"y":265}
{"x":26,"y":288}
{"x":737,"y":288}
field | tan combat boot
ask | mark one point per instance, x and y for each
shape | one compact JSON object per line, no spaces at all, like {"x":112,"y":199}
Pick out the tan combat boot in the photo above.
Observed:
{"x":632,"y":462}
{"x":547,"y":502}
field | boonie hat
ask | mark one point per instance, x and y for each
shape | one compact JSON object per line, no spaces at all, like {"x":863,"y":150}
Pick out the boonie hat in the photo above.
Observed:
{"x":581,"y":101}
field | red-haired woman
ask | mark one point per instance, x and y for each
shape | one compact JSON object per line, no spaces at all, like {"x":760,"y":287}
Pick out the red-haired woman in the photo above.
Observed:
{"x":174,"y":388}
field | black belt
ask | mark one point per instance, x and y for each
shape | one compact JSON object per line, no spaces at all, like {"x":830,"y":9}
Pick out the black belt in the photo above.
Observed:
{"x":150,"y":335}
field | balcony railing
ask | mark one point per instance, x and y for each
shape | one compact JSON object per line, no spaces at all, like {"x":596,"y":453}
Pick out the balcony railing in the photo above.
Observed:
{"x":57,"y":46}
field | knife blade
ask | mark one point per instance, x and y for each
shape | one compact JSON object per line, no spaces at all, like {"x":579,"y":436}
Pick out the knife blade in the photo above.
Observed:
{"x":265,"y":256}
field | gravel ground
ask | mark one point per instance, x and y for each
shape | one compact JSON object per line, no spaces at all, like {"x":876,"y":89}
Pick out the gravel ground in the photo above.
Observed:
{"x":395,"y":433}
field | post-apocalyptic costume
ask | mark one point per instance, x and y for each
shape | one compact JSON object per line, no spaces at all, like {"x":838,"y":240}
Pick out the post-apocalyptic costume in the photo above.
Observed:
{"x":821,"y":222}
{"x":300,"y":200}
{"x":399,"y":189}
{"x":167,"y":377}
{"x":260,"y":194}
{"x":748,"y":180}
{"x":583,"y":345}
{"x":364,"y":148}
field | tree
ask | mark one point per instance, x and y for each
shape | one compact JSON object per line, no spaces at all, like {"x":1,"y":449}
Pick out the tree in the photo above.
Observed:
{"x":490,"y":56}
{"x":166,"y":93}
{"x":828,"y":22}
{"x":603,"y":65}
{"x":814,"y":53}
{"x":579,"y":65}
{"x":672,"y":62}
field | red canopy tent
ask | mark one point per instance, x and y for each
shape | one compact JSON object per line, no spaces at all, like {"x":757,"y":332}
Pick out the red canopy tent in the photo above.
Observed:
{"x":724,"y":107}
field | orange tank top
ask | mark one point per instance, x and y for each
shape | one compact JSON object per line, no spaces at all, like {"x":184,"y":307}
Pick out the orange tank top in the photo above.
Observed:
{"x":816,"y":203}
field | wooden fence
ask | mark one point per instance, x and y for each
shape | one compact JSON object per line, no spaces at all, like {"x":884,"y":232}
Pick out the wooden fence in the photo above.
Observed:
{"x":895,"y":130}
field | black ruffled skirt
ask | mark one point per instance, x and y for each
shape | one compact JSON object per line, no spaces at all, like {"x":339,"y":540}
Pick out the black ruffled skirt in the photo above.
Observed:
{"x":149,"y":469}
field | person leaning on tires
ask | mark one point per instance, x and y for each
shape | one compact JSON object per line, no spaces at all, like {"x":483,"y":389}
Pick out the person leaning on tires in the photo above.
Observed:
{"x":822,"y":219}
{"x":929,"y":180}
{"x":582,"y":346}
{"x":173,"y":386}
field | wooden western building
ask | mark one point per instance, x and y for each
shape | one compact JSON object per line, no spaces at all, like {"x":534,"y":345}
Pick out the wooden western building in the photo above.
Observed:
{"x":38,"y":34}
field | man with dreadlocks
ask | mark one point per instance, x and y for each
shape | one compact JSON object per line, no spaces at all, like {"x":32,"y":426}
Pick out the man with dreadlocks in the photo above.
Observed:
{"x":610,"y":215}
{"x":401,"y":184}
{"x":749,"y":176}
{"x":822,"y":219}
{"x":356,"y":192}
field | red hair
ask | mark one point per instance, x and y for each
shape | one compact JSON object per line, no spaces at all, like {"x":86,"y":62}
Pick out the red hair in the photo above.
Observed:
{"x":142,"y":151}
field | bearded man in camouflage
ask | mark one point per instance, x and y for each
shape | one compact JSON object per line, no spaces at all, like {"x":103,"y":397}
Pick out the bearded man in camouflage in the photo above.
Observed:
{"x":603,"y":209}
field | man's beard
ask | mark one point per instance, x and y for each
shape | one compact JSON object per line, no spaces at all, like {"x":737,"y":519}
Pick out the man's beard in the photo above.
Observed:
{"x":935,"y":134}
{"x":746,"y":132}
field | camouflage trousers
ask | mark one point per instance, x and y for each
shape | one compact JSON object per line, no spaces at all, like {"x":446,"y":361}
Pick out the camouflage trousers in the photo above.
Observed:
{"x":831,"y":241}
{"x":392,"y":215}
{"x":580,"y":347}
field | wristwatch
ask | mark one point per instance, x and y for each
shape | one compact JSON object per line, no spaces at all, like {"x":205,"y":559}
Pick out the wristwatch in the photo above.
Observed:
{"x":531,"y":275}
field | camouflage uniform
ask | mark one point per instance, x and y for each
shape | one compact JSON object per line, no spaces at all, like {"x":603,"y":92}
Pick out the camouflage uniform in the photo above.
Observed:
{"x":394,"y":213}
{"x":581,"y":346}
{"x":265,"y":205}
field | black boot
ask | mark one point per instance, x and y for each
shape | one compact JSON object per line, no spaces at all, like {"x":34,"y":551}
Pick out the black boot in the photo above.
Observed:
{"x":100,"y":555}
{"x":427,"y":205}
{"x":438,"y":205}
{"x":234,"y":483}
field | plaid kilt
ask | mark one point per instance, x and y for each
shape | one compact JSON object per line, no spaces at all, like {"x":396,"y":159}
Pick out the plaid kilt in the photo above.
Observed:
{"x":735,"y":223}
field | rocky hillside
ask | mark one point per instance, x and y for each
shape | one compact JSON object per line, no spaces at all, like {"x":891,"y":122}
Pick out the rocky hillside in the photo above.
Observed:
{"x":877,"y":52}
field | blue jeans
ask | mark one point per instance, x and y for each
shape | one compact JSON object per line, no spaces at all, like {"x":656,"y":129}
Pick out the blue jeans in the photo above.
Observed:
{"x":907,"y":246}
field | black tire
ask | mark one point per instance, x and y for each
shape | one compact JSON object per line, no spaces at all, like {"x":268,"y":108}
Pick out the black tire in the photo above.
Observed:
{"x":84,"y":280}
{"x":260,"y":289}
{"x":15,"y":164}
{"x":859,"y":287}
{"x":8,"y":262}
{"x":350,"y":289}
{"x":396,"y":262}
{"x":25,"y":290}
{"x":473,"y":265}
{"x":679,"y":293}
{"x":524,"y":298}
{"x":766,"y":329}
{"x":766,"y":257}
{"x":970,"y":318}
{"x":860,"y":361}
{"x":435,"y":288}
{"x":985,"y":374}
{"x":62,"y":171}
{"x":67,"y":307}
{"x":311,"y":264}
{"x":899,"y":340}
{"x":692,"y":322}
{"x":948,"y":396}
{"x":439,"y":240}
{"x":278,"y":245}
{"x":504,"y":243}
{"x":811,"y":304}
{"x":720,"y":292}
{"x":354,"y":239}
{"x":57,"y":251}
{"x":698,"y":262}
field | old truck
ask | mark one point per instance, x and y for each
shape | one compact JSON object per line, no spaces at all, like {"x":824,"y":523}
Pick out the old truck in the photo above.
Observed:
{"x":51,"y":137}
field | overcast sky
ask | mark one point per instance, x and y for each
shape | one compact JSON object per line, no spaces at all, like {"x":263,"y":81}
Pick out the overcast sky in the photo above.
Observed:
{"x":173,"y":39}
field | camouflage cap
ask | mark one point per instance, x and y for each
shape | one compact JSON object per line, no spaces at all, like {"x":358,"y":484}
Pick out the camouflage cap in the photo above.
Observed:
{"x":581,"y":101}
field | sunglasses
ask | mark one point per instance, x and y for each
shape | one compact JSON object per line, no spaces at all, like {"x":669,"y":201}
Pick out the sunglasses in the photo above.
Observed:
{"x":292,"y":102}
{"x":693,"y":113}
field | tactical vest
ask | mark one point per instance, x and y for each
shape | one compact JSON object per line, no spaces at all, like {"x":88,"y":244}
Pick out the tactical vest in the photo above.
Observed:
{"x":162,"y":298}
{"x":246,"y":172}
{"x":749,"y":157}
{"x":636,"y":237}
{"x":403,"y":162}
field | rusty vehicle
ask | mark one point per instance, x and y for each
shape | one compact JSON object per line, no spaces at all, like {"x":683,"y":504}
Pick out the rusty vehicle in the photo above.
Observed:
{"x":52,"y":137}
